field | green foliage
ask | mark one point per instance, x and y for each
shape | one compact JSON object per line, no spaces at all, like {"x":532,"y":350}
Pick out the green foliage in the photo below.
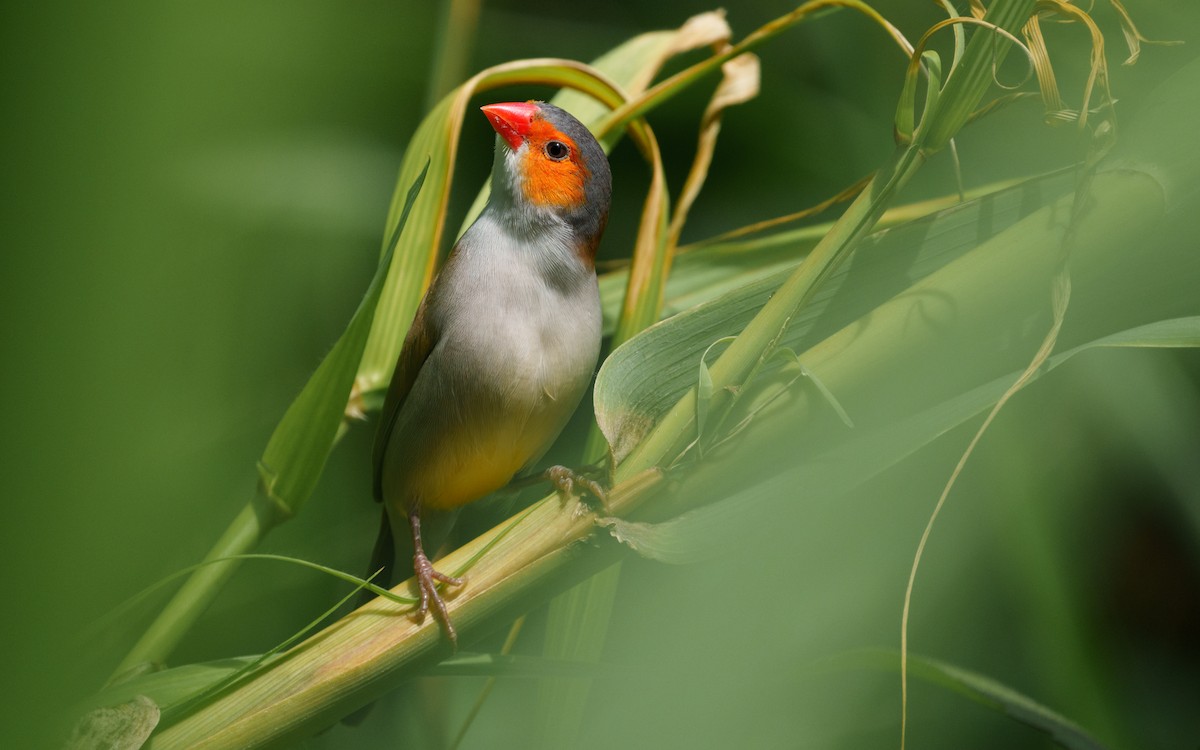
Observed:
{"x":783,"y":404}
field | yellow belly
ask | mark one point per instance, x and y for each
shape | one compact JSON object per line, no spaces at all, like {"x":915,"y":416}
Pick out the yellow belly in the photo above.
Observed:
{"x":513,"y":360}
{"x":468,"y":465}
{"x":470,"y":474}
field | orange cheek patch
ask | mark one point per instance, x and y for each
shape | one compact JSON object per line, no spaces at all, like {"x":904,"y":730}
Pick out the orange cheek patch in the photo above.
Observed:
{"x":548,"y":182}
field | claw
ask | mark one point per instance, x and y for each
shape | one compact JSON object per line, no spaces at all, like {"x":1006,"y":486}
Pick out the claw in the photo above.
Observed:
{"x":565,"y":480}
{"x":427,"y":581}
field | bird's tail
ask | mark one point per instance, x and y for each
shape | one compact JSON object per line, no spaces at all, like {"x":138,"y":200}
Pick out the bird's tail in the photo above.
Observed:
{"x":383,"y":560}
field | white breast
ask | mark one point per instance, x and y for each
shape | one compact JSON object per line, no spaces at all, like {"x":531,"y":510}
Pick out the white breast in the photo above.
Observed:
{"x":526,"y":311}
{"x":518,"y":335}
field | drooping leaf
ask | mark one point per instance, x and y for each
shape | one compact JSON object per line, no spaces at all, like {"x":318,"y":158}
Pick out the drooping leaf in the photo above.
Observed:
{"x":296,"y":453}
{"x":739,"y":84}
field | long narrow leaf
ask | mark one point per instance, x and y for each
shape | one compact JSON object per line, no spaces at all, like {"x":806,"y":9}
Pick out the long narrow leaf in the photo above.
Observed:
{"x":290,"y":466}
{"x":979,"y":688}
{"x":701,"y":533}
{"x":627,"y":403}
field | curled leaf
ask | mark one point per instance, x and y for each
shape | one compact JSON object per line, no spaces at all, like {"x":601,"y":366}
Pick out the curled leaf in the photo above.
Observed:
{"x":739,"y":84}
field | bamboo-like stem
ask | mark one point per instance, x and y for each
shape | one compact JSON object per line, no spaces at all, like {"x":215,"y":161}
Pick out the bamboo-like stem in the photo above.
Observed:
{"x":368,"y":652}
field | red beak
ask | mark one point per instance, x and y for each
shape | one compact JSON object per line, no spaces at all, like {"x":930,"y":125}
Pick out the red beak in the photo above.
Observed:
{"x":511,"y":120}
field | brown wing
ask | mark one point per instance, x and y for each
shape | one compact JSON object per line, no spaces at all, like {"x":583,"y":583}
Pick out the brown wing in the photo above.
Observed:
{"x":417,"y":344}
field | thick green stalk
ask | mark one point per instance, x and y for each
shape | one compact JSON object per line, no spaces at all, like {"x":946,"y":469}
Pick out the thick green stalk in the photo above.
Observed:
{"x":370,"y":651}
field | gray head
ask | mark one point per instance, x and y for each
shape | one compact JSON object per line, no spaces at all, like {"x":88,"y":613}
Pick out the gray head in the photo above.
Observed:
{"x":550,"y":168}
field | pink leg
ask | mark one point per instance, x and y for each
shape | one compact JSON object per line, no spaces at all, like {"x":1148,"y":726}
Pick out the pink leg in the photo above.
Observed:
{"x":565,"y":480}
{"x":427,"y":580}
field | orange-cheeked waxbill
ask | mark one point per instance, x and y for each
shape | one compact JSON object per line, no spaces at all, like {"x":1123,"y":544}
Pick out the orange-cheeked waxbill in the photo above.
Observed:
{"x":505,"y":342}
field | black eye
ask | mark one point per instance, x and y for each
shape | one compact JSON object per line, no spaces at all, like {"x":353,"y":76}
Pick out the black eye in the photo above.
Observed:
{"x":557,"y":150}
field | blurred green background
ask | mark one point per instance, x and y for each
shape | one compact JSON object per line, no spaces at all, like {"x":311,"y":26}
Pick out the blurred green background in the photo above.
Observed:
{"x":193,"y":196}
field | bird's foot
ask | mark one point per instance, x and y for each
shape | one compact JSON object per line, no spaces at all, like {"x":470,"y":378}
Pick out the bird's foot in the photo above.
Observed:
{"x":427,"y":581}
{"x":566,"y":481}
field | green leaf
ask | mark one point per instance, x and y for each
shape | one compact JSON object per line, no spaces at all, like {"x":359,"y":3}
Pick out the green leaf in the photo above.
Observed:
{"x":979,"y":688}
{"x":628,"y":404}
{"x":300,"y":445}
{"x":690,"y":537}
{"x":436,"y":140}
{"x":827,"y":394}
{"x":1017,"y":705}
{"x":698,"y":534}
{"x":175,"y":685}
{"x":704,"y":387}
{"x":288,"y":470}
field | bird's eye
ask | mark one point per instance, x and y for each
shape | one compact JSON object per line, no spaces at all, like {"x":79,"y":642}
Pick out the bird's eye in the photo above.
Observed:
{"x":557,"y":150}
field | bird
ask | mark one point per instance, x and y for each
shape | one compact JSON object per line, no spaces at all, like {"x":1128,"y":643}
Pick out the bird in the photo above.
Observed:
{"x":503,"y":345}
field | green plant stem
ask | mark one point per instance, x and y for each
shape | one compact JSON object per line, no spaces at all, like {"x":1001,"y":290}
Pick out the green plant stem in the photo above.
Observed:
{"x":243,"y":535}
{"x":746,"y":352}
{"x":359,"y":658}
{"x":576,"y":628}
{"x":371,"y":650}
{"x":974,"y":73}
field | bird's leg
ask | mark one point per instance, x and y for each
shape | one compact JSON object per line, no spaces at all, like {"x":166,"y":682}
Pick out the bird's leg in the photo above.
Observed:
{"x":565,"y":480}
{"x":427,"y":580}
